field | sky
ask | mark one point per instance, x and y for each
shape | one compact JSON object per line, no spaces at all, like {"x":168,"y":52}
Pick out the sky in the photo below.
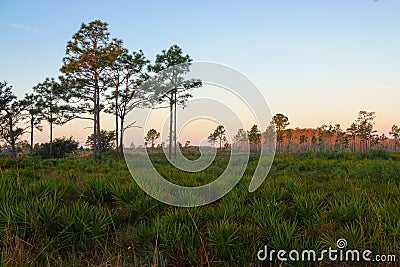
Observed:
{"x":318,"y":62}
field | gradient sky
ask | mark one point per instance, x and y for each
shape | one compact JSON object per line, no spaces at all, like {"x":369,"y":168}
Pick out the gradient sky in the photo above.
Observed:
{"x":315,"y":61}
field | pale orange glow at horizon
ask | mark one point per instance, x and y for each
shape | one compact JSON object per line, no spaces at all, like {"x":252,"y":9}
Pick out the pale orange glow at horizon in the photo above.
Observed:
{"x":305,"y":108}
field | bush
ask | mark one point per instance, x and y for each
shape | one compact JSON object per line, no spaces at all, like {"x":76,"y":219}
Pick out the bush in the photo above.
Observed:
{"x":378,"y":154}
{"x":61,"y":148}
{"x":107,"y":140}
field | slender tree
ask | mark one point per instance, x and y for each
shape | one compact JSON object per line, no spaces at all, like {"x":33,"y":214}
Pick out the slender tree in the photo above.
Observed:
{"x":338,"y":134}
{"x":303,"y":139}
{"x":254,"y":136}
{"x":352,"y":132}
{"x":269,"y":137}
{"x":31,"y":105}
{"x":89,"y":56}
{"x":325,"y":134}
{"x":330,"y":133}
{"x":171,"y":65}
{"x":314,"y":142}
{"x":151,"y":136}
{"x":345,"y":142}
{"x":53,"y":108}
{"x":289,"y":137}
{"x":219,"y":135}
{"x":212,"y":139}
{"x":117,"y":78}
{"x":128,"y":75}
{"x":365,"y":127}
{"x":395,"y":132}
{"x":321,"y":137}
{"x":11,"y":116}
{"x":380,"y":140}
{"x":281,"y":122}
{"x":241,"y":137}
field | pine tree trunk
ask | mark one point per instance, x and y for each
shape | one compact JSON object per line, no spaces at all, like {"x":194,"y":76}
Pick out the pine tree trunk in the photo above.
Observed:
{"x":98,"y":128}
{"x":170,"y":125}
{"x":175,"y":125}
{"x":12,"y":138}
{"x":116,"y":122}
{"x":95,"y":126}
{"x":51,"y":136}
{"x":121,"y":136}
{"x":32,"y":126}
{"x":98,"y":137}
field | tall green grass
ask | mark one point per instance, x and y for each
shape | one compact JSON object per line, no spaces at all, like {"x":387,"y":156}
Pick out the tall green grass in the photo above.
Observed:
{"x":81,"y":212}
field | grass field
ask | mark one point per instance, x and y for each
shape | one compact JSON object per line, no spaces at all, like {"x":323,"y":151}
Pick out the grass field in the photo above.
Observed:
{"x":80,"y":212}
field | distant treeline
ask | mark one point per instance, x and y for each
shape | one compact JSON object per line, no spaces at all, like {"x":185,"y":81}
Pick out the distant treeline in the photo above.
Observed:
{"x":359,"y":136}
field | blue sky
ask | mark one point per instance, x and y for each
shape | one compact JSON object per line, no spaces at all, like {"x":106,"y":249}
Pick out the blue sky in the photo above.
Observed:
{"x":316,"y":61}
